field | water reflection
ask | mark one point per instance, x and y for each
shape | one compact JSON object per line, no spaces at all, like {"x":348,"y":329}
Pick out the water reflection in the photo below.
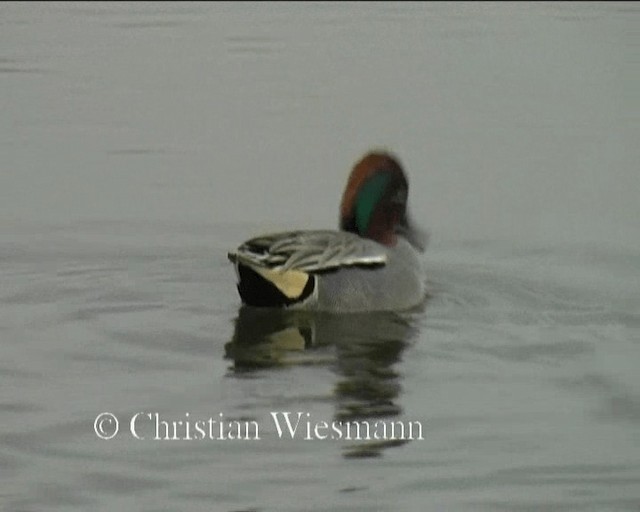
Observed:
{"x":362,"y":349}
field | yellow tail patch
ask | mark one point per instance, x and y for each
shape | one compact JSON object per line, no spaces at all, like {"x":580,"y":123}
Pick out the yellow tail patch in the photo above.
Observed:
{"x":290,"y":282}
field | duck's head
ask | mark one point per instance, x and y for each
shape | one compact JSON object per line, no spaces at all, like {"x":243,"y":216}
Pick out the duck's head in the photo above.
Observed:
{"x":374,"y":202}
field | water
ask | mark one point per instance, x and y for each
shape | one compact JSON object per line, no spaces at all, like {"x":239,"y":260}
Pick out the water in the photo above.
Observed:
{"x":141,"y":142}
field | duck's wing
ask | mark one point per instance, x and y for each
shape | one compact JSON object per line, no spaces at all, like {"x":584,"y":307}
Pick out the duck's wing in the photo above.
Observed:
{"x":310,"y":251}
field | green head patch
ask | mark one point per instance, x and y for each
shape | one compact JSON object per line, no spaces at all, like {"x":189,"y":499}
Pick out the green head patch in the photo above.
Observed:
{"x":368,"y":197}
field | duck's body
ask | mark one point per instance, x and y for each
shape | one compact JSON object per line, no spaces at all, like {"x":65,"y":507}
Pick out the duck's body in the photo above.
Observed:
{"x":373,"y":264}
{"x":328,"y":271}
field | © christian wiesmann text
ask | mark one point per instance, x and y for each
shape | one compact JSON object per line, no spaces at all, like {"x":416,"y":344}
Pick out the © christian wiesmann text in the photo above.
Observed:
{"x":287,"y":424}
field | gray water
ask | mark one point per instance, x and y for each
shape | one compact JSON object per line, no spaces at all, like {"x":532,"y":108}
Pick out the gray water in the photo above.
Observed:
{"x":140,"y":142}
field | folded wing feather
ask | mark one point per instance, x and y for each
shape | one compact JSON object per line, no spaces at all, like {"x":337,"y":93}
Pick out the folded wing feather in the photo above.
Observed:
{"x":310,"y":251}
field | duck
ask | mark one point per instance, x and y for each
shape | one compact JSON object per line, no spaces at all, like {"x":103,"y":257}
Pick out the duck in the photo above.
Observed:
{"x":373,"y":262}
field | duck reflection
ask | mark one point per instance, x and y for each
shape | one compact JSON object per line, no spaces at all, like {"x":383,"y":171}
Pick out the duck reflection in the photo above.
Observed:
{"x":363,"y":349}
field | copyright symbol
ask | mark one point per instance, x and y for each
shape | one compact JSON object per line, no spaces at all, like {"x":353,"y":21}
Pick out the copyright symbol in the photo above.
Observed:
{"x":106,"y":426}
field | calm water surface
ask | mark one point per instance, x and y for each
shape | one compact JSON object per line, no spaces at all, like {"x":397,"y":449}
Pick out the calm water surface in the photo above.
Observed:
{"x":140,"y":142}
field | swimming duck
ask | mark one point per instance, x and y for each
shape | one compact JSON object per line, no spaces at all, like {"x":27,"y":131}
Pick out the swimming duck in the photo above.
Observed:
{"x":373,"y":263}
